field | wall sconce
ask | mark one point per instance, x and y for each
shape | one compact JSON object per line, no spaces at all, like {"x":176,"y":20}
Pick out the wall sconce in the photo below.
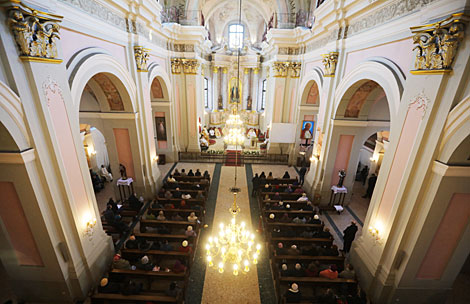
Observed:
{"x":90,"y":151}
{"x":155,"y":158}
{"x":90,"y":224}
{"x":314,"y":157}
{"x":374,"y":158}
{"x":375,"y":232}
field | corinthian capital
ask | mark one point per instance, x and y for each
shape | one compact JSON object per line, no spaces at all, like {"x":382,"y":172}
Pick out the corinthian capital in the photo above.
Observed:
{"x":329,"y":62}
{"x":141,"y":56}
{"x":36,"y":33}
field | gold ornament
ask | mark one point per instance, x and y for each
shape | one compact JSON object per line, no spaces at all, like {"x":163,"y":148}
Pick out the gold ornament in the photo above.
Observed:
{"x":280,"y":69}
{"x":295,"y":69}
{"x":176,"y":65}
{"x":141,"y":57}
{"x":329,"y":62}
{"x":437,"y":44}
{"x":190,"y":66}
{"x":36,"y":33}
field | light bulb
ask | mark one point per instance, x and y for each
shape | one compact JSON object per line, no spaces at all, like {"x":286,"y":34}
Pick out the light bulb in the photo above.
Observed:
{"x":209,"y":259}
{"x":247,"y":268}
{"x":221,"y":267}
{"x":235,"y":269}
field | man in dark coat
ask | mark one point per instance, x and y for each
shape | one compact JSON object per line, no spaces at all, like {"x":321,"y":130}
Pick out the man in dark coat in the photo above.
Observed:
{"x":302,"y":172}
{"x":370,"y":186}
{"x":349,"y":235}
{"x":255,"y":182}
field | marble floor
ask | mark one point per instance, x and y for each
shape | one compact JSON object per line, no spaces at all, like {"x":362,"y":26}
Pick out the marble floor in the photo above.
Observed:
{"x":225,"y":287}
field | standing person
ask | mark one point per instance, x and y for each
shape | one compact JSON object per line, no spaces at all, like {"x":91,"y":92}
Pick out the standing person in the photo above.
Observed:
{"x":349,"y":235}
{"x":302,"y":172}
{"x":370,"y":186}
{"x":255,"y":182}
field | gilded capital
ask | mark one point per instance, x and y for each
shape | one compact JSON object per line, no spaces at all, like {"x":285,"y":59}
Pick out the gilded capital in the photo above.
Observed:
{"x":256,"y":71}
{"x":281,"y":68}
{"x":224,"y":70}
{"x":176,"y":65}
{"x":189,"y":66}
{"x":329,"y":62}
{"x":141,"y":56}
{"x":437,"y":44}
{"x":215,"y":69}
{"x":36,"y":33}
{"x":295,"y":69}
{"x":247,"y":71}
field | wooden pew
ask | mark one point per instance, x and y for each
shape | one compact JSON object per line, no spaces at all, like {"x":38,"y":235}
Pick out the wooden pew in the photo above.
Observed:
{"x":306,"y":259}
{"x":189,"y":178}
{"x":190,"y":203}
{"x":277,"y":181}
{"x":315,"y":281}
{"x":283,"y":195}
{"x":146,"y":274}
{"x":155,"y":223}
{"x":119,"y":298}
{"x":300,"y":240}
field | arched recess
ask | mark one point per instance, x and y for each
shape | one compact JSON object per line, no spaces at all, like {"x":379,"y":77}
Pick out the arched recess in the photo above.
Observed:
{"x":315,"y":76}
{"x":12,"y":117}
{"x":379,"y":70}
{"x":104,"y":97}
{"x":163,"y":121}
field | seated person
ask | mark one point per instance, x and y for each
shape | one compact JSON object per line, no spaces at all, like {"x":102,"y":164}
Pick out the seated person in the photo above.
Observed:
{"x":277,"y":196}
{"x":285,"y":272}
{"x":206,"y":175}
{"x":280,"y":249}
{"x":130,"y":287}
{"x":348,"y":273}
{"x":144,"y":264}
{"x":171,"y":179}
{"x":293,"y":250}
{"x":313,"y":269}
{"x":144,"y":245}
{"x":331,"y":251}
{"x":165,"y":246}
{"x":289,"y":189}
{"x":168,"y":194}
{"x":203,"y":143}
{"x":183,"y":172}
{"x":120,"y":263}
{"x":212,"y":133}
{"x":156,"y":204}
{"x":299,"y":190}
{"x":286,"y":175}
{"x":293,"y":294}
{"x":131,"y":243}
{"x":176,"y":217}
{"x":270,"y":176}
{"x":330,"y":273}
{"x":108,"y":287}
{"x":285,"y":218}
{"x":298,"y":271}
{"x":267,"y":188}
{"x":179,"y":267}
{"x":161,"y":216}
{"x":325,"y":233}
{"x":190,"y":173}
{"x":173,"y":290}
{"x":190,"y":232}
{"x":303,"y":198}
{"x":176,"y":173}
{"x":186,"y":196}
{"x":192,"y":217}
{"x":200,"y":195}
{"x":198,"y":173}
{"x":184,"y":247}
{"x":299,"y":220}
{"x":134,"y":202}
{"x":177,"y":193}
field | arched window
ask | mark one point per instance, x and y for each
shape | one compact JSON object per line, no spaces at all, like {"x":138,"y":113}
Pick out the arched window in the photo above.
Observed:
{"x":235,"y":36}
{"x":263,"y":95}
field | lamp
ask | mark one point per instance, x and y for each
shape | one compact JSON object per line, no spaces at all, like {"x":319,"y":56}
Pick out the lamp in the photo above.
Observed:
{"x":89,"y":225}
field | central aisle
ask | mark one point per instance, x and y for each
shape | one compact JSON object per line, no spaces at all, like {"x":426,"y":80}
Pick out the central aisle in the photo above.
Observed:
{"x":227,"y":288}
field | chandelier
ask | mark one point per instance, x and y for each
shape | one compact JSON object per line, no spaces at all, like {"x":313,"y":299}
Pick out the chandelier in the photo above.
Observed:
{"x":234,"y":137}
{"x":234,"y":245}
{"x":234,"y":120}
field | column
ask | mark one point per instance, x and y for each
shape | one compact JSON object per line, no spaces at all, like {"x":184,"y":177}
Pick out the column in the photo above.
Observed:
{"x":215,"y":87}
{"x":224,"y":87}
{"x":246,"y":86}
{"x":255,"y":89}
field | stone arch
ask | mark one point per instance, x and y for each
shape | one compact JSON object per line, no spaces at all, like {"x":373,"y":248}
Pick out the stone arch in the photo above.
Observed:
{"x":90,"y":62}
{"x":456,"y":130}
{"x":379,"y":70}
{"x":12,"y":117}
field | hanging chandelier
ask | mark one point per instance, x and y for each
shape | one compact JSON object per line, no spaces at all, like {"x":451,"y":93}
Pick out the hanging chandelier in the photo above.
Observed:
{"x":233,"y":247}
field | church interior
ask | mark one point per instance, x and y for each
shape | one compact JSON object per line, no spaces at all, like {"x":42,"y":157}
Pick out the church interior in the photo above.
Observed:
{"x":235,"y":151}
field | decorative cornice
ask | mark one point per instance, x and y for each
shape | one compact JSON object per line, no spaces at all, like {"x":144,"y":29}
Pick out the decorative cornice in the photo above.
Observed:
{"x":36,"y":32}
{"x":437,"y":44}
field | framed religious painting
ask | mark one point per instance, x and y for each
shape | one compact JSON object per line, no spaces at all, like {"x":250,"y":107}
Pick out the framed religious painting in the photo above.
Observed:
{"x":307,"y":129}
{"x":161,"y":128}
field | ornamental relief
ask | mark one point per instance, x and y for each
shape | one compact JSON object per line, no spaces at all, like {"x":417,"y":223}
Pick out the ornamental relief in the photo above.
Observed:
{"x":141,"y":56}
{"x":188,"y":66}
{"x":437,"y":44}
{"x":282,"y":68}
{"x":329,"y":62}
{"x":36,"y":33}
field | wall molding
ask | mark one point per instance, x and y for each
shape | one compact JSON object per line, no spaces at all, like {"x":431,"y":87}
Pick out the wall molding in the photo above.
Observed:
{"x":102,"y":115}
{"x":449,"y":170}
{"x":17,"y":157}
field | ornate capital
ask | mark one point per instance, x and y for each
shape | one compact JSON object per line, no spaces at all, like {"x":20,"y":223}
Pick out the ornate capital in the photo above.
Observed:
{"x":329,"y":61}
{"x":141,"y":57}
{"x":247,"y":71}
{"x":189,"y":66}
{"x":281,"y":68}
{"x":224,"y":70}
{"x":215,"y":69}
{"x":36,"y":33}
{"x":256,"y":71}
{"x":437,"y":44}
{"x":295,"y":69}
{"x":176,"y":65}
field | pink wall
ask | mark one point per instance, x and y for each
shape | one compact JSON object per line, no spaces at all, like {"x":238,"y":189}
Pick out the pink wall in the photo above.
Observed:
{"x":342,"y":156}
{"x":73,"y":42}
{"x":277,"y":108}
{"x":309,"y":117}
{"x":66,"y":147}
{"x":191,"y":97}
{"x":16,"y":224}
{"x":397,"y":51}
{"x":123,"y":146}
{"x":447,"y":237}
{"x":309,"y":66}
{"x":400,"y":160}
{"x":159,"y":60}
{"x":177,"y":106}
{"x":292,"y":103}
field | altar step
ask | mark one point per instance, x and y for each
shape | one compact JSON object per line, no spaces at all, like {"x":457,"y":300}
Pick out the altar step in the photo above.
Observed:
{"x":233,"y":158}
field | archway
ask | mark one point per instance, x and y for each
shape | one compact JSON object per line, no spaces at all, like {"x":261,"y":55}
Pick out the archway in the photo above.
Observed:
{"x":162,"y":113}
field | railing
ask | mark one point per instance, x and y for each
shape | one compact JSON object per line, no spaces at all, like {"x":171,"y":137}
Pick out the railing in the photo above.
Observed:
{"x":174,"y":14}
{"x":261,"y":158}
{"x":292,"y":20}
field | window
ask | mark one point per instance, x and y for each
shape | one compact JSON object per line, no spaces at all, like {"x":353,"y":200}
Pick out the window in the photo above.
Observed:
{"x":206,"y":92}
{"x":235,"y":36}
{"x":263,"y":95}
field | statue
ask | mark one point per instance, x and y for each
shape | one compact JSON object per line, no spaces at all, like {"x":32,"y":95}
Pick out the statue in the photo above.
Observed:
{"x":342,"y":175}
{"x":234,"y":95}
{"x":249,"y":103}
